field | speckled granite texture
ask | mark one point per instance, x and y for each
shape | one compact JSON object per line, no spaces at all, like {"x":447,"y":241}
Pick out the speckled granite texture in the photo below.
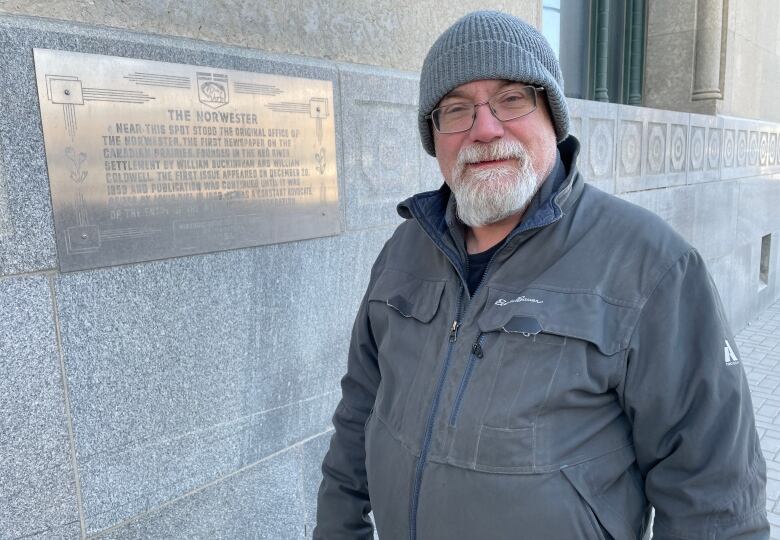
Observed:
{"x":37,"y":484}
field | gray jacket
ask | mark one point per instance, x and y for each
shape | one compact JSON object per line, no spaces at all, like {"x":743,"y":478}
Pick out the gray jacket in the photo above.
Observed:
{"x":592,"y":374}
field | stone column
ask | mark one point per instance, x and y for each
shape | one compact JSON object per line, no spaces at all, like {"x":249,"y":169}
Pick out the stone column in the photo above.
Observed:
{"x":602,"y":50}
{"x":707,"y":76}
{"x":636,"y":52}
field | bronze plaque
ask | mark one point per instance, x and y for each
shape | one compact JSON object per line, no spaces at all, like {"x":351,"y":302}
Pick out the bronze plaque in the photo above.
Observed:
{"x":149,"y":160}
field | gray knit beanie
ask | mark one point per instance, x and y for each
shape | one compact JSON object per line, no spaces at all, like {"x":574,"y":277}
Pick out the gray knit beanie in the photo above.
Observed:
{"x":490,"y":45}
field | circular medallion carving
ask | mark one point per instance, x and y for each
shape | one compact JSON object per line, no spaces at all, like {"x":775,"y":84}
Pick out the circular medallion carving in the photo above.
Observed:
{"x":601,"y":149}
{"x":763,"y":149}
{"x":656,"y":150}
{"x":697,"y":149}
{"x":753,"y":149}
{"x":630,"y":149}
{"x":741,"y":149}
{"x":772,"y":150}
{"x":729,"y":149}
{"x":677,"y":157}
{"x":713,"y":149}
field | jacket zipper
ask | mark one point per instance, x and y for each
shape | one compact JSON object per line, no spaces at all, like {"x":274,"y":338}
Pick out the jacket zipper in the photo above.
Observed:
{"x":474,"y":357}
{"x":453,"y":335}
{"x":476,"y":350}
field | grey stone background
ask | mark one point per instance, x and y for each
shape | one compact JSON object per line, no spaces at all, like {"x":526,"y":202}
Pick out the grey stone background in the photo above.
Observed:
{"x":191,"y":397}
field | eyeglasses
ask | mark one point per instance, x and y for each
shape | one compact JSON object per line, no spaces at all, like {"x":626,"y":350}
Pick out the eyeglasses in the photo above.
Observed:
{"x":507,"y":105}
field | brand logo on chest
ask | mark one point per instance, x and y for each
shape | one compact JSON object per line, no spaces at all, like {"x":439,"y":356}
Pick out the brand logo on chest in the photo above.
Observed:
{"x":504,"y":302}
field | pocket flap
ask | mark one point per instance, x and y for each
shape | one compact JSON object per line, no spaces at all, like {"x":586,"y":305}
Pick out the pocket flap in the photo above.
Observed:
{"x":408,"y":295}
{"x":583,"y":316}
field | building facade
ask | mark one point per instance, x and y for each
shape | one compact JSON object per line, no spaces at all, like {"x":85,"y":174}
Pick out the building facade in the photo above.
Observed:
{"x":191,"y":396}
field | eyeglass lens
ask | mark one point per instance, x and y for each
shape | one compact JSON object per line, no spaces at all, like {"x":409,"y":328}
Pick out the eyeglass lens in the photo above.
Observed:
{"x":506,"y":105}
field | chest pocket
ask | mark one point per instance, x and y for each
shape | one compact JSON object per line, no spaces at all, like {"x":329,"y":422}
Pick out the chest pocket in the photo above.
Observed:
{"x":550,"y":365}
{"x":402,"y":309}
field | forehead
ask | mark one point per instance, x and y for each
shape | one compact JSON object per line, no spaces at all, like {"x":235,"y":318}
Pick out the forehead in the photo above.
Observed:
{"x":479,"y":88}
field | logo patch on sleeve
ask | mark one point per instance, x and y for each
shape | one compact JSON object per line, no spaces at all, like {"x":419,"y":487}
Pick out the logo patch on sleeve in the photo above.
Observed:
{"x":729,"y":356}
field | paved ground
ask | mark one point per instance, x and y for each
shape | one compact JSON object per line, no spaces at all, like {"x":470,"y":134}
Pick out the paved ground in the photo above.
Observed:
{"x":759,"y":346}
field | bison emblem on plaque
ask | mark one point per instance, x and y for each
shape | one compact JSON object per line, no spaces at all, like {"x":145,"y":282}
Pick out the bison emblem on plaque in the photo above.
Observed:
{"x":213,"y":89}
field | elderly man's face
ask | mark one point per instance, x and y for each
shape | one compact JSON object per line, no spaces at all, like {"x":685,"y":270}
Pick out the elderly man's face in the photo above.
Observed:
{"x":495,"y":168}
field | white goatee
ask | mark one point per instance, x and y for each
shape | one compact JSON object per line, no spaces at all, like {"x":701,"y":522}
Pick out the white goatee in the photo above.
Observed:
{"x":488,"y":195}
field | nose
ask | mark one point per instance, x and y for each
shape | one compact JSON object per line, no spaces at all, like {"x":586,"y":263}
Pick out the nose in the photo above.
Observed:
{"x":486,"y":127}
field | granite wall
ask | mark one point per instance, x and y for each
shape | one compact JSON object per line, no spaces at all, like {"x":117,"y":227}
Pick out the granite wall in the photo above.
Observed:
{"x":191,"y":397}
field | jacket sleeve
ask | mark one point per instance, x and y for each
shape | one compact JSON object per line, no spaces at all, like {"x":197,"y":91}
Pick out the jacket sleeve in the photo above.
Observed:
{"x":343,"y":502}
{"x":687,"y":396}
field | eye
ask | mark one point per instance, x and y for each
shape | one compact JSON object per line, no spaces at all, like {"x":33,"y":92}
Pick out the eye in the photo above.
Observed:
{"x":513,"y":98}
{"x":458,"y":108}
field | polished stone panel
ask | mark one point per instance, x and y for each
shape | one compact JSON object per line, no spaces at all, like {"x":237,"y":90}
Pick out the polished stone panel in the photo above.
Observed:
{"x":26,"y":225}
{"x":6,"y":227}
{"x":37,"y":486}
{"x":382,"y":150}
{"x":156,"y":356}
{"x":265,"y":501}
{"x":186,"y":370}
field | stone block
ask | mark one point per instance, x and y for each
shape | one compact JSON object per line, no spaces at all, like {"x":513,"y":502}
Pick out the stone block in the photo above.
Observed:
{"x":715,"y":218}
{"x":264,"y":501}
{"x":157,"y":357}
{"x":744,"y":285}
{"x":759,"y":199}
{"x":382,"y":150}
{"x":595,"y":126}
{"x":26,"y":225}
{"x":395,"y":34}
{"x":652,"y":148}
{"x":38,"y":487}
{"x":310,"y":301}
{"x":6,"y":227}
{"x":669,"y":60}
{"x":670,"y":16}
{"x":185,"y":370}
{"x":676,"y":206}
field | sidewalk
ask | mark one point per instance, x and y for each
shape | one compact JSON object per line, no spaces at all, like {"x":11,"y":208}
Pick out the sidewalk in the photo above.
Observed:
{"x":759,"y":346}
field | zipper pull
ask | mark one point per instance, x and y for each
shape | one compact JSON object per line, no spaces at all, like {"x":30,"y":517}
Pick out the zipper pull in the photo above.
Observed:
{"x":454,"y":331}
{"x":476,"y":349}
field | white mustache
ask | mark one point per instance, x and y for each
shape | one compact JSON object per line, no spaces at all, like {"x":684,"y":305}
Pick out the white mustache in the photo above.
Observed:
{"x":495,"y":151}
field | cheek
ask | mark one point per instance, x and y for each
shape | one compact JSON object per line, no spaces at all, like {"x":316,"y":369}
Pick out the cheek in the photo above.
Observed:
{"x":447,"y":156}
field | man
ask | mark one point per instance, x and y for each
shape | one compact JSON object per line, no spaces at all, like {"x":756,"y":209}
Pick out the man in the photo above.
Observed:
{"x":534,"y":358}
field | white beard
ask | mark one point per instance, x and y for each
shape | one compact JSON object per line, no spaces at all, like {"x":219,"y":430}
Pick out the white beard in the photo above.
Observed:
{"x":485,"y":196}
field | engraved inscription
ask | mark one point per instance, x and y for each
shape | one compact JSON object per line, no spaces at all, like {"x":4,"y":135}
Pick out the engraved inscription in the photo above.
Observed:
{"x":149,"y":160}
